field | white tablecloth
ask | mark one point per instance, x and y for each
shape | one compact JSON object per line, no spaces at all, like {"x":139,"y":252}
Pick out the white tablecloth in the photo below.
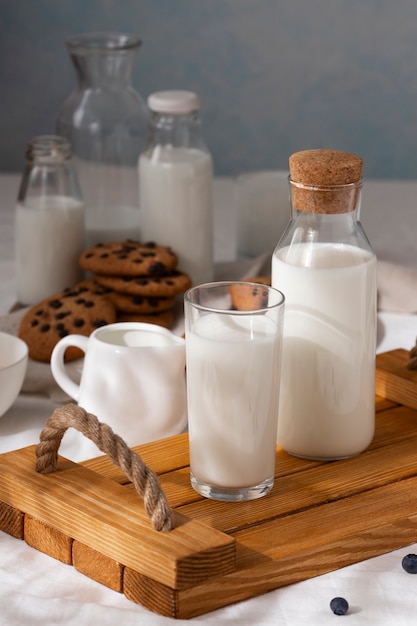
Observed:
{"x":36,"y":589}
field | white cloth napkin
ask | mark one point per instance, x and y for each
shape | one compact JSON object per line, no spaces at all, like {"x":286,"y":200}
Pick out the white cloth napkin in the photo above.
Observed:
{"x":397,"y":288}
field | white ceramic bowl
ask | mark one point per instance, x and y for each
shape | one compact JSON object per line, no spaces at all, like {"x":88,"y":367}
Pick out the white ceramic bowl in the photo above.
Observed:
{"x":13,"y":365}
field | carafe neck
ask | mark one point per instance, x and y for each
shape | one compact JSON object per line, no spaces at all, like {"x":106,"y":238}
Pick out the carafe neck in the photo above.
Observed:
{"x":103,"y":60}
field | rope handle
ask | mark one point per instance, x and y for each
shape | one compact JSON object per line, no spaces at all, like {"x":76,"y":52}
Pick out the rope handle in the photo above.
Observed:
{"x":412,"y":361}
{"x":145,"y":481}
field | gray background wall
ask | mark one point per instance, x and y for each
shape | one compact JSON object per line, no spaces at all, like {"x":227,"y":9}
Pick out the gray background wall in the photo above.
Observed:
{"x":275,"y":76}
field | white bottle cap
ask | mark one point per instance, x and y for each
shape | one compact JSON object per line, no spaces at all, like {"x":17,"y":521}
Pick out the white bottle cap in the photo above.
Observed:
{"x":175,"y":102}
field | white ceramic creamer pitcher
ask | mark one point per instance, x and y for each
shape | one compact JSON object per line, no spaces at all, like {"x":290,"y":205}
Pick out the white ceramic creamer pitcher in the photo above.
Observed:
{"x":133,"y":379}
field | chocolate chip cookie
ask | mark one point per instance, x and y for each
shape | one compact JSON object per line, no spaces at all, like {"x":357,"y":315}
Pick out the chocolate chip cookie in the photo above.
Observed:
{"x":173,"y":284}
{"x":129,"y":258}
{"x":72,"y":311}
{"x":250,"y":296}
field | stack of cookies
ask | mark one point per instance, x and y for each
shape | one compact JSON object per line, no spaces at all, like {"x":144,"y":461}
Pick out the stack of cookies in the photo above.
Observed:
{"x":130,"y":281}
{"x":140,"y":279}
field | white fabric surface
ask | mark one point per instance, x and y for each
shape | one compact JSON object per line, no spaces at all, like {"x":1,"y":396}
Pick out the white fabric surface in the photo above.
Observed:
{"x":35,"y":589}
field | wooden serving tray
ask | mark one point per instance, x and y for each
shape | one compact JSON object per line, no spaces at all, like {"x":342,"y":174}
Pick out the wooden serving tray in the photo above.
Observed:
{"x":319,"y":516}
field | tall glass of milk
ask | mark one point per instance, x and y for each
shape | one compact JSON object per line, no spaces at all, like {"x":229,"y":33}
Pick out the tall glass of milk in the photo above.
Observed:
{"x":49,"y":221}
{"x":326,"y":268}
{"x":175,"y":183}
{"x":233,"y":351}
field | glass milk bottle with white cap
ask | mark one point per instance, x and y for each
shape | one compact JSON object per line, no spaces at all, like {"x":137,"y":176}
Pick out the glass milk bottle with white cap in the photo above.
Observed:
{"x":49,"y":221}
{"x":175,"y":183}
{"x":326,"y":269}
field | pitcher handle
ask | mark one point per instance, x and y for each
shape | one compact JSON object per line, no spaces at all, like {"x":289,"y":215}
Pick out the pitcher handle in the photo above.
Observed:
{"x":58,"y":368}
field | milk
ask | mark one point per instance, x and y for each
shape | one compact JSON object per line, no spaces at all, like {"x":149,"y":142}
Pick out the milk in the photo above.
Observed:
{"x":175,"y":198}
{"x":232,"y":366}
{"x":49,"y":237}
{"x":111,"y":224}
{"x":110,"y":193}
{"x":328,"y":361}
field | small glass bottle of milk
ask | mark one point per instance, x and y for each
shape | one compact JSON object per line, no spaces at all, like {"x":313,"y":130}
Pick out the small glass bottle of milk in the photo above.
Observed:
{"x":49,"y":221}
{"x":326,"y":269}
{"x":175,"y":183}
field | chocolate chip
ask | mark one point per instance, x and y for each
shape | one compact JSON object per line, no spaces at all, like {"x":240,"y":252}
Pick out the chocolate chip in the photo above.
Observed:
{"x":87,"y":303}
{"x":62,"y":314}
{"x":157,"y":268}
{"x":99,"y":322}
{"x":55,"y":304}
{"x":63,"y":332}
{"x":79,"y":322}
{"x":44,"y":328}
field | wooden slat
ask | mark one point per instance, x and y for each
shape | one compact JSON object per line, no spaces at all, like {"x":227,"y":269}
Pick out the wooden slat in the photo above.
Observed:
{"x":97,"y":566}
{"x":381,"y":404}
{"x":394,"y":381}
{"x":48,"y":539}
{"x":11,"y":520}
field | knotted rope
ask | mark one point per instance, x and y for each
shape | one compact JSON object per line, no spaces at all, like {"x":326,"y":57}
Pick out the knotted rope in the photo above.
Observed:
{"x":412,"y":361}
{"x":143,"y":478}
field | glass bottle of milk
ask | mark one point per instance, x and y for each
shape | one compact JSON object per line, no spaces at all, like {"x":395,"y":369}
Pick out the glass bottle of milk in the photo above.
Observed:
{"x":175,"y":183}
{"x":49,"y":221}
{"x":326,"y":269}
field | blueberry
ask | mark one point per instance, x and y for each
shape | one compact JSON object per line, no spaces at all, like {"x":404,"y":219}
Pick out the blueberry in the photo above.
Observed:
{"x":409,"y":563}
{"x":339,"y":606}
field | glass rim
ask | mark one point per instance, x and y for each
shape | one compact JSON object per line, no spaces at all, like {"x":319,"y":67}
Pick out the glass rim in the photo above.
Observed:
{"x":227,"y":283}
{"x":102,"y":41}
{"x":48,"y":147}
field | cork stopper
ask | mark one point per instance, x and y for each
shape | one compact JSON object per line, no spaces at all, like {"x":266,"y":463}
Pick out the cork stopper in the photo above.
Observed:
{"x":325,"y":181}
